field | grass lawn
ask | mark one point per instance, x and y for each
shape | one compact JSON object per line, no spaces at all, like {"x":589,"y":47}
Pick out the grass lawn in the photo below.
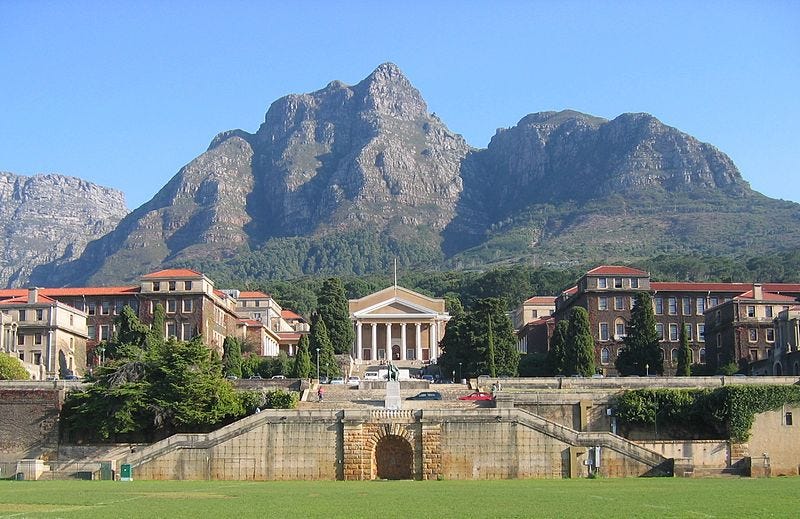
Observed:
{"x":645,"y":497}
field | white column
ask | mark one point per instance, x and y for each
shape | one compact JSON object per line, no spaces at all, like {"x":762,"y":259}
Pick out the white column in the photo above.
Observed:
{"x":388,"y":341}
{"x":418,"y":337}
{"x":402,"y":341}
{"x":358,"y":340}
{"x":431,"y":341}
{"x":374,"y":342}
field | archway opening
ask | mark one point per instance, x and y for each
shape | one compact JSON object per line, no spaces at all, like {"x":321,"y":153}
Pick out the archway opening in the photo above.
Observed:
{"x":394,"y":458}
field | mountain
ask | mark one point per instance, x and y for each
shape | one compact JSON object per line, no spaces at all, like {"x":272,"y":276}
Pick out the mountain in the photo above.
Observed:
{"x":50,"y":219}
{"x":347,"y":178}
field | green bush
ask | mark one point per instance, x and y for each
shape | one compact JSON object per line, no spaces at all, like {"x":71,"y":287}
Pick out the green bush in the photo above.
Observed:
{"x":280,"y":399}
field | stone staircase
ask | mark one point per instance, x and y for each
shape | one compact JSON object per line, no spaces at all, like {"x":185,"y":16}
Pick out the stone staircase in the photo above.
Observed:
{"x":342,"y":396}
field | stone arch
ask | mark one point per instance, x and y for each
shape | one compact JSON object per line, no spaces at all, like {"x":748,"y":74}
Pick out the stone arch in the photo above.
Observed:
{"x":392,"y":452}
{"x":777,"y":369}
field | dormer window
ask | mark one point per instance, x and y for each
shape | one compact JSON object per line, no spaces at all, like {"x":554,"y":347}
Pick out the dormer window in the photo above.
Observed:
{"x":172,"y":286}
{"x":156,"y":286}
{"x":617,"y":282}
{"x":602,"y":283}
{"x":634,"y":282}
{"x":187,"y":285}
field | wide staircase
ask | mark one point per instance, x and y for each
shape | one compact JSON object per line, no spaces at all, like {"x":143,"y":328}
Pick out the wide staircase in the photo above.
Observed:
{"x":350,"y":397}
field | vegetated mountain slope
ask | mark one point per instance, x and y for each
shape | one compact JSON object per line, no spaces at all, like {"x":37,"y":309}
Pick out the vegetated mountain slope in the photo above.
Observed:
{"x":50,"y":219}
{"x":345,"y":179}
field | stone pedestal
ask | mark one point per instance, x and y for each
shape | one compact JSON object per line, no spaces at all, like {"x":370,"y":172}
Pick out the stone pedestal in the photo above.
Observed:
{"x":393,"y":400}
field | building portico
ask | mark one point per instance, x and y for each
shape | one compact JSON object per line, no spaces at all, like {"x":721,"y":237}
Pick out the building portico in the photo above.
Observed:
{"x":397,"y":324}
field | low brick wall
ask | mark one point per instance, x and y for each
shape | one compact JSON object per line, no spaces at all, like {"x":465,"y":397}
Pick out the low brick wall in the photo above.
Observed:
{"x":29,"y":416}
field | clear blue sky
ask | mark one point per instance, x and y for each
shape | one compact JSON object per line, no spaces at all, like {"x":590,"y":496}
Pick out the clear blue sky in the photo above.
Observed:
{"x":125,"y":93}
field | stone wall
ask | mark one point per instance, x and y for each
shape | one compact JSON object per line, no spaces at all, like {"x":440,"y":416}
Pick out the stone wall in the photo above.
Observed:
{"x":29,"y":417}
{"x":774,"y":442}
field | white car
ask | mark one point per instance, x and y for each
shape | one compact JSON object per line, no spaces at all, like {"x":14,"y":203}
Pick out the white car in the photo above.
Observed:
{"x":353,"y":381}
{"x":337,"y":380}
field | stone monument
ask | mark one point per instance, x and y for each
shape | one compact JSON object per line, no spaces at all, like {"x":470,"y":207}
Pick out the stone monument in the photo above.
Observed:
{"x":393,"y":400}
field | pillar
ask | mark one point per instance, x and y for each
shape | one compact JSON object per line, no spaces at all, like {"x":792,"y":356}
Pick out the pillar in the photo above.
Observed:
{"x":402,"y":341}
{"x":359,"y":340}
{"x":432,"y":341}
{"x":388,"y":341}
{"x":374,"y":342}
{"x":418,"y":338}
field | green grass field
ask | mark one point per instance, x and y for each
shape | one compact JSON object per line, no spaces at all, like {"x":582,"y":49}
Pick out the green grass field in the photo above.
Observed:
{"x":646,"y":497}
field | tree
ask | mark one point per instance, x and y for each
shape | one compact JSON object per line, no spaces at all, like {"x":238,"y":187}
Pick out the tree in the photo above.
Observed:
{"x":579,"y":346}
{"x":556,"y":360}
{"x":641,"y":355}
{"x":319,"y":340}
{"x":302,"y":360}
{"x":155,"y":337}
{"x":684,"y":355}
{"x":333,"y":308}
{"x":232,"y":357}
{"x":12,"y":369}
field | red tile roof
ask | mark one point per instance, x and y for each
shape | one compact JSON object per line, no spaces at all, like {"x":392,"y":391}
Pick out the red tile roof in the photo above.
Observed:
{"x":24,"y":300}
{"x":766,"y":296}
{"x":253,"y":295}
{"x":288,"y":314}
{"x":72,"y":291}
{"x":781,"y":287}
{"x":172,"y":273}
{"x":252,"y":322}
{"x":542,"y":300}
{"x":288,"y":337}
{"x":688,"y":286}
{"x":614,"y":270}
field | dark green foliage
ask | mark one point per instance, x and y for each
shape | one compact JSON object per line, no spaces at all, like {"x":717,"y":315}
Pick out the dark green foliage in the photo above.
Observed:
{"x":333,"y":309}
{"x":319,"y":340}
{"x":684,"y":368}
{"x":280,"y":399}
{"x":556,"y":355}
{"x":726,"y":412}
{"x":467,"y":341}
{"x":579,"y":347}
{"x":155,"y":336}
{"x":642,"y":354}
{"x":534,"y":365}
{"x":232,"y":357}
{"x":301,"y":367}
{"x":146,"y":394}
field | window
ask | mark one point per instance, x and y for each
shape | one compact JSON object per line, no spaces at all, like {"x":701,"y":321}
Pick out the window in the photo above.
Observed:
{"x":22,"y":356}
{"x":634,"y":282}
{"x":187,"y":285}
{"x":104,"y":332}
{"x":37,"y":357}
{"x":92,"y":331}
{"x":660,"y":331}
{"x":186,"y":305}
{"x":753,"y":355}
{"x":171,"y":329}
{"x":187,"y":331}
{"x":171,"y":286}
{"x":687,"y":306}
{"x":602,"y":303}
{"x":603,"y":331}
{"x":619,"y":329}
{"x":156,"y":286}
{"x":770,"y":335}
{"x":672,"y":306}
{"x":673,"y":355}
{"x":23,"y":315}
{"x":605,"y":356}
{"x":105,"y":308}
{"x":92,"y":308}
{"x":659,"y":303}
{"x":702,"y":355}
{"x":688,"y":328}
{"x":617,"y":282}
{"x":631,"y":302}
{"x":673,"y":332}
{"x":602,"y":283}
{"x":714,"y":301}
{"x":619,"y":303}
{"x":752,"y":334}
{"x":71,"y":319}
{"x":751,"y":311}
{"x":718,"y":317}
{"x":37,"y":338}
{"x":701,"y":332}
{"x":172,"y":305}
{"x":119,"y":304}
{"x":768,"y":311}
{"x":20,"y":339}
{"x":39,"y":314}
{"x":788,"y":418}
{"x":701,"y":305}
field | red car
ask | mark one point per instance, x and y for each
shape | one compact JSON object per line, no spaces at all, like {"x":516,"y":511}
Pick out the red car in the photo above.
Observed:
{"x":477,"y":395}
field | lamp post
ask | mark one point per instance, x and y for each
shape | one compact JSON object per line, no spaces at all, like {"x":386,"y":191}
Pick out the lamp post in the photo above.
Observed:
{"x":459,"y":372}
{"x":647,"y":369}
{"x":317,"y":364}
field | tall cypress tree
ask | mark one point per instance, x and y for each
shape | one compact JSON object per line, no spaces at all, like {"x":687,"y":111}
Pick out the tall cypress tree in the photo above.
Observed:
{"x":333,"y":307}
{"x":232,"y":357}
{"x":155,"y":337}
{"x":302,"y":361}
{"x":556,"y":360}
{"x":684,"y":355}
{"x":320,"y":341}
{"x":579,"y":351}
{"x":642,"y":354}
{"x":490,"y":340}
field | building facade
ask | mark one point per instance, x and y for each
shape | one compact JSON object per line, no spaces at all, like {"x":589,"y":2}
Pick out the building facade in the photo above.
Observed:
{"x":397,"y":324}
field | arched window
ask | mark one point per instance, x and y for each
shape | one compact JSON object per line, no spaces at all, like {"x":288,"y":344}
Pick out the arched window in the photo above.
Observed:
{"x":797,"y":368}
{"x":619,"y":329}
{"x":605,"y":356}
{"x":702,"y":355}
{"x":673,"y":355}
{"x":662,"y":354}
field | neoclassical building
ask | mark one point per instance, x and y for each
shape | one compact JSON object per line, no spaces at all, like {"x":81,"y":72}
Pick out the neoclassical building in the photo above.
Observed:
{"x":397,"y":324}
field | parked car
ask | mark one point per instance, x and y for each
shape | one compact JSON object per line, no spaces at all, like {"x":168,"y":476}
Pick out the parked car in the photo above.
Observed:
{"x":278,"y":377}
{"x":231,"y":377}
{"x":324,"y":380}
{"x":72,"y":377}
{"x":353,"y":381}
{"x":477,"y":395}
{"x":255,"y":377}
{"x":426,"y":395}
{"x":337,"y":380}
{"x":371,"y":375}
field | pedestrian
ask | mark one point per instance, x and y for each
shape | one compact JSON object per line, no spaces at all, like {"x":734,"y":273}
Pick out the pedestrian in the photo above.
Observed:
{"x":320,"y":394}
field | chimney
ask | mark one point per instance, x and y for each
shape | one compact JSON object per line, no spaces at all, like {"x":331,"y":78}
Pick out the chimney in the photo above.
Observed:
{"x":757,"y":292}
{"x":33,"y":294}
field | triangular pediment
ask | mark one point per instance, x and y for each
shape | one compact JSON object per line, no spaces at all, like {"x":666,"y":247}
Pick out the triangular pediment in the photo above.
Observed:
{"x":397,"y":301}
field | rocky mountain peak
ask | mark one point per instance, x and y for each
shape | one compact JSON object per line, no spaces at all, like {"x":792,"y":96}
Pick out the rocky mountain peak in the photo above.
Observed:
{"x":388,"y":92}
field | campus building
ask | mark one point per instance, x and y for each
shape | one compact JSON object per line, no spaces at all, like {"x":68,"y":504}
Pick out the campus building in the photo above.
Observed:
{"x":397,"y":324}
